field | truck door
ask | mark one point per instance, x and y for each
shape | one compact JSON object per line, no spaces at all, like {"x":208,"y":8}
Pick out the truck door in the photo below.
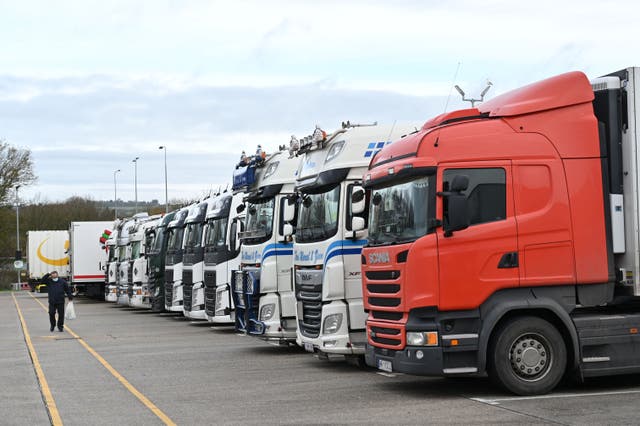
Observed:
{"x":477,"y":261}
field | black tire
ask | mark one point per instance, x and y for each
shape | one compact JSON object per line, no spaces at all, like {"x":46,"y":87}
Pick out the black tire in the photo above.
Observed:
{"x":542,"y":361}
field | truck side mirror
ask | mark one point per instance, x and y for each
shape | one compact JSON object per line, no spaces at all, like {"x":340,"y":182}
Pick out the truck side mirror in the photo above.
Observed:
{"x":357,"y":200}
{"x":357,"y":223}
{"x":289,"y":212}
{"x":287,"y":230}
{"x":240,"y":208}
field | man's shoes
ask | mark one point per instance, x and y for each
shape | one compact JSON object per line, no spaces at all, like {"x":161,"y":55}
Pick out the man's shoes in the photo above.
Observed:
{"x":51,"y":329}
{"x":60,"y":329}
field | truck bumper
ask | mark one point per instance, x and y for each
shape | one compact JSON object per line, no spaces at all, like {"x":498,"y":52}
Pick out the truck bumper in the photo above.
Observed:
{"x":343,"y":342}
{"x":196,"y":314}
{"x":407,"y":360}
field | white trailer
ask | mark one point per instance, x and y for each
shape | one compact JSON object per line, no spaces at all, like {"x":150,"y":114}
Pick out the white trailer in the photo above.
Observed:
{"x":47,"y":251}
{"x":88,"y":258}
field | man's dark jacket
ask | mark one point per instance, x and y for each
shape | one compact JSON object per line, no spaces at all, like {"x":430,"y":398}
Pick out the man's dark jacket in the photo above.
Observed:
{"x":57,"y":289}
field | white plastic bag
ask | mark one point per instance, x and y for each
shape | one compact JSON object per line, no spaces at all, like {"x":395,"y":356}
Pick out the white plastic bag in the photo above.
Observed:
{"x":70,"y":312}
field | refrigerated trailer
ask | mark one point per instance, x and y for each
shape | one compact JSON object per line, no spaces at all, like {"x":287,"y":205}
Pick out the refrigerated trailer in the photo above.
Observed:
{"x":47,"y":251}
{"x":88,"y":258}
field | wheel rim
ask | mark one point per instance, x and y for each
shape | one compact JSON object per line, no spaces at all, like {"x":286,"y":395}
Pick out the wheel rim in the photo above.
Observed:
{"x":531,"y":356}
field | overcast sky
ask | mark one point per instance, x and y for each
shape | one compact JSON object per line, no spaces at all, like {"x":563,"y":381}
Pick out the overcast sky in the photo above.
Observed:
{"x":90,"y":85}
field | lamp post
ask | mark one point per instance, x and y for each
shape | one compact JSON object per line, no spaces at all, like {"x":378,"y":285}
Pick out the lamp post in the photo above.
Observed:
{"x":115,"y":194}
{"x":135,"y":180}
{"x":166,"y":190}
{"x":18,"y":253}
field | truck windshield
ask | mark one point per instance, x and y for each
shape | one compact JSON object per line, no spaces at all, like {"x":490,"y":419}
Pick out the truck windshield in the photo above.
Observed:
{"x":135,"y":249}
{"x":259,"y":221}
{"x":318,"y":218}
{"x":122,"y":253}
{"x":193,"y":235}
{"x":175,"y":239}
{"x":216,"y":234}
{"x":159,"y":240}
{"x":400,"y":213}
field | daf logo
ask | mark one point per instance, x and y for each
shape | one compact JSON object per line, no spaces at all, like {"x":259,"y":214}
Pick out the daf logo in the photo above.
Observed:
{"x":305,"y":277}
{"x":379,"y":257}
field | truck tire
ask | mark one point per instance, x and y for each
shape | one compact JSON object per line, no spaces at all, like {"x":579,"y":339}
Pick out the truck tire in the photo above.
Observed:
{"x":527,"y":356}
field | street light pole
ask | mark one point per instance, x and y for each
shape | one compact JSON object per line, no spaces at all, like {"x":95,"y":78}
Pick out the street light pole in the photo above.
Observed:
{"x":115,"y":194}
{"x":166,"y":190}
{"x":18,"y":254}
{"x":135,"y":180}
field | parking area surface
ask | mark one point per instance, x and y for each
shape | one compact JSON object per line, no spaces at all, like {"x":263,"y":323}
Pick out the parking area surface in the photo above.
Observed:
{"x":120,"y":365}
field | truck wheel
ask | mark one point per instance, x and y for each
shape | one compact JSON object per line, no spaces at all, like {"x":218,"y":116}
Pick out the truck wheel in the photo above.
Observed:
{"x":527,"y":356}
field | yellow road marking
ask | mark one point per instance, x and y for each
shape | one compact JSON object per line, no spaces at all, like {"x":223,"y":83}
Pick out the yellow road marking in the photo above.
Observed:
{"x":44,"y":386}
{"x":150,"y":405}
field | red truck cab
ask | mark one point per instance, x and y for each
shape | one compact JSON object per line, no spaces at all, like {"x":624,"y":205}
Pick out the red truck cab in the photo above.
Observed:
{"x":492,"y":245}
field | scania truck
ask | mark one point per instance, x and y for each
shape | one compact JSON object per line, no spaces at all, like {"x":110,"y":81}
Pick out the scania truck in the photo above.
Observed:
{"x":141,"y":244}
{"x":504,"y":238}
{"x":221,"y":257}
{"x":263,"y":285}
{"x":156,"y":266}
{"x":330,"y":234}
{"x":173,"y":260}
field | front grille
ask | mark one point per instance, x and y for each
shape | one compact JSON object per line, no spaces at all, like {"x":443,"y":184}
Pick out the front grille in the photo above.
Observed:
{"x":389,"y":335}
{"x":210,"y":293}
{"x":383,"y":288}
{"x":187,"y":289}
{"x":168,"y":291}
{"x":385,"y":315}
{"x":383,"y":301}
{"x":383,"y":275}
{"x":311,"y":298}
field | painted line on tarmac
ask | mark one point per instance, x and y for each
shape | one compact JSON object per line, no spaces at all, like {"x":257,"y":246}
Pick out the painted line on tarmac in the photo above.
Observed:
{"x":49,"y":402}
{"x":497,"y":401}
{"x":147,"y":403}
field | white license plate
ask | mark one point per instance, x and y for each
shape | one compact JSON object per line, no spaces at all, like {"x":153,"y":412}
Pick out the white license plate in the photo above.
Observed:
{"x":308,"y":347}
{"x":385,"y":365}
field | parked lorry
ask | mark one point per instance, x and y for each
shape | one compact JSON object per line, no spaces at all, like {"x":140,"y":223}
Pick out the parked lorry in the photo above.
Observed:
{"x":111,"y":272}
{"x":141,"y":244}
{"x":221,"y":257}
{"x":173,"y":298}
{"x":47,"y":251}
{"x":327,"y":246}
{"x":193,"y":262}
{"x":156,"y":266}
{"x":504,"y":238}
{"x":263,"y":285}
{"x":88,"y":260}
{"x":124,"y":256}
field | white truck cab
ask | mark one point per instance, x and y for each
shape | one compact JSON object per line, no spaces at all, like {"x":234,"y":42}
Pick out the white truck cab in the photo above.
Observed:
{"x":221,"y":256}
{"x":263,"y":285}
{"x":124,"y":256}
{"x":111,"y":273}
{"x":193,"y":261}
{"x":330,"y":234}
{"x":141,"y":244}
{"x":173,"y":300}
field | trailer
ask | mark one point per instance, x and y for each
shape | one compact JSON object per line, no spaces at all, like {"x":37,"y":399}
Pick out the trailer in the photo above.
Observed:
{"x":47,"y":251}
{"x":88,"y":259}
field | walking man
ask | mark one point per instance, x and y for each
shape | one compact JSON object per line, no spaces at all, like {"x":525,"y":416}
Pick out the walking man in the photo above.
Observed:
{"x":57,"y":287}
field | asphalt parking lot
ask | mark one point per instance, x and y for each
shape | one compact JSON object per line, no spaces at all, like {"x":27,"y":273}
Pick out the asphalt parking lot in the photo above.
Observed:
{"x":119,"y":365}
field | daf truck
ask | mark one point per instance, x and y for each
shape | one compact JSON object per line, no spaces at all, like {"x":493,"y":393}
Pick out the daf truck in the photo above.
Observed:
{"x":263,"y":285}
{"x":504,"y":239}
{"x":141,"y":245}
{"x":221,"y":257}
{"x":330,"y":234}
{"x":193,"y":262}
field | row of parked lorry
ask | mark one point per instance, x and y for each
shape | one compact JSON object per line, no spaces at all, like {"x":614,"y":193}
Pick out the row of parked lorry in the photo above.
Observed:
{"x":502,"y":239}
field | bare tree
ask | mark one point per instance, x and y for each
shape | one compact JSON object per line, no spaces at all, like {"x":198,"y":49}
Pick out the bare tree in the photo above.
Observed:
{"x":16,"y":168}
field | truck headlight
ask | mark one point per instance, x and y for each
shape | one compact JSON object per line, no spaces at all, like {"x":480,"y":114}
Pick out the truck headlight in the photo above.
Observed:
{"x":157,"y":292}
{"x":422,"y":338}
{"x":266,"y":312}
{"x":332,"y":323}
